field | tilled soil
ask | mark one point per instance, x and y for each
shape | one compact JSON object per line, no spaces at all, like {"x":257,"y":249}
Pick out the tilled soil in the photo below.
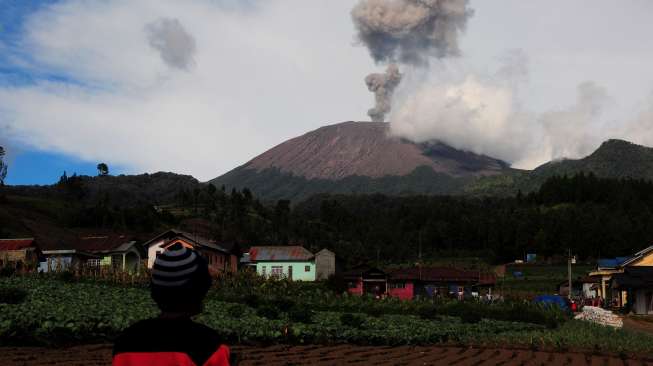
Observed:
{"x":333,"y":355}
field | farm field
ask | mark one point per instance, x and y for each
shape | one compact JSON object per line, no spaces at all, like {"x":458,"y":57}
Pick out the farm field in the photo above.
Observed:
{"x":56,"y":313}
{"x":100,"y":355}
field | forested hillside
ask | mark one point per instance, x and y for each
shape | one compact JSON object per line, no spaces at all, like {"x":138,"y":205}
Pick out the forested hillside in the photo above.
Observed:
{"x":592,"y":216}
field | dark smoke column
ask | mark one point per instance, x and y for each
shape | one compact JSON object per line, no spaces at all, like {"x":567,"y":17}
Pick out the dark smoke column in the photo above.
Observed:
{"x":382,"y":85}
{"x":408,"y":32}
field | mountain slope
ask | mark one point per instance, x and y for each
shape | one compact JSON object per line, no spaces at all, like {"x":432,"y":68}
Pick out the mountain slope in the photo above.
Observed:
{"x":613,"y":159}
{"x":358,"y":157}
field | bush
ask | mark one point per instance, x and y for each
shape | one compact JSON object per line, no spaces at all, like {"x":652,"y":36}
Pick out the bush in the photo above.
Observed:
{"x":301,"y":315}
{"x":252,"y":300}
{"x":336,"y":283}
{"x":12,"y":295}
{"x":284,"y":304}
{"x":351,"y":320}
{"x":236,"y":311}
{"x":268,"y":311}
{"x":7,"y":271}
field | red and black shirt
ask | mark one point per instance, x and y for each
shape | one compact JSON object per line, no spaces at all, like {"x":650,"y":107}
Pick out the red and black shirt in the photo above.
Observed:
{"x":168,"y":342}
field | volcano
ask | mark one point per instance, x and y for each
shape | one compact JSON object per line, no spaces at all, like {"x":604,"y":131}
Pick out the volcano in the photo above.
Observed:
{"x":358,"y":157}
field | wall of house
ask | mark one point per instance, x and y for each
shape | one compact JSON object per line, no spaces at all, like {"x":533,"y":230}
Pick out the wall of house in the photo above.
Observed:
{"x":405,"y":293}
{"x":299,"y":272}
{"x":325,"y":264}
{"x":646,"y":260}
{"x":56,"y":263}
{"x":355,"y":287}
{"x":152,"y":251}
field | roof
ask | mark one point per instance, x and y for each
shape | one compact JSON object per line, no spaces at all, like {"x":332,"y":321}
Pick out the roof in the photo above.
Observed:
{"x":16,"y":244}
{"x":437,"y":274}
{"x":173,"y":234}
{"x":362,"y":271}
{"x":638,"y":255}
{"x":612,"y":262}
{"x":285,"y":253}
{"x":634,"y":277}
{"x":113,"y":243}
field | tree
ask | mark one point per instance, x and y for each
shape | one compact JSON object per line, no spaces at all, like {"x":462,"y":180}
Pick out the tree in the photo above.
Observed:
{"x":102,"y":169}
{"x":3,"y":167}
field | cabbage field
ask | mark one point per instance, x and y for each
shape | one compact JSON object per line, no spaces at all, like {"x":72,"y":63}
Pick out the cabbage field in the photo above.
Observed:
{"x":49,"y":311}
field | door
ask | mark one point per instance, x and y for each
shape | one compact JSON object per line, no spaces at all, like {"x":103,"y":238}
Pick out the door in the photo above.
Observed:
{"x":290,"y":273}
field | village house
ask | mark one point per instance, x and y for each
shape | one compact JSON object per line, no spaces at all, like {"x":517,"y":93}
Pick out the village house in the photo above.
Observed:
{"x":293,"y":262}
{"x":637,"y":283}
{"x":221,"y":257}
{"x":20,"y":254}
{"x":623,"y":280}
{"x":408,"y":283}
{"x":366,"y":280}
{"x":114,"y":251}
{"x":582,"y":287}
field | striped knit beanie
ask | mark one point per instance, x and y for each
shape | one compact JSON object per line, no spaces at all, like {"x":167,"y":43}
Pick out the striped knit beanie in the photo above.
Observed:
{"x":180,"y":277}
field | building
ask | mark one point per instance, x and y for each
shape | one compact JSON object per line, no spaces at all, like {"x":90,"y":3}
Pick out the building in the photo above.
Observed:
{"x":607,"y":268}
{"x":20,"y":254}
{"x":293,"y":262}
{"x":114,"y":251}
{"x":582,"y":287}
{"x":637,"y":283}
{"x":221,"y":257}
{"x":364,"y":280}
{"x":66,"y":258}
{"x":409,"y":283}
{"x":325,"y":264}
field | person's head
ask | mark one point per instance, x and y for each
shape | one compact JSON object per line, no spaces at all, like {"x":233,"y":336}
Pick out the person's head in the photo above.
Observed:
{"x":180,"y":280}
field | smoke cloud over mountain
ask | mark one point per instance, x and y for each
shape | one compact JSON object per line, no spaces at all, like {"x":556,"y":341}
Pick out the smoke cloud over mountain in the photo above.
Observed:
{"x":382,"y":85}
{"x":408,"y":32}
{"x":175,"y":45}
{"x":485,"y":114}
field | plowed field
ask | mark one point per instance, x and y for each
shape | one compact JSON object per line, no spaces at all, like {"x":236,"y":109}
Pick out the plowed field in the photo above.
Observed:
{"x":334,"y":355}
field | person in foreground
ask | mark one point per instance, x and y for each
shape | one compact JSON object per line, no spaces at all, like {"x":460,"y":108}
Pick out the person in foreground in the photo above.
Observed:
{"x":180,"y":281}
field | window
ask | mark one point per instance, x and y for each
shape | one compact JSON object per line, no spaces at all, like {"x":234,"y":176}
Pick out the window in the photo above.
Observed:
{"x":263,"y":271}
{"x":307,"y":268}
{"x":277,"y":271}
{"x":397,"y":284}
{"x":93,"y":262}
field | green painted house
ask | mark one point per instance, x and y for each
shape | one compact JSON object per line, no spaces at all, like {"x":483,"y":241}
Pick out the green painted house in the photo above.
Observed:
{"x":292,"y":262}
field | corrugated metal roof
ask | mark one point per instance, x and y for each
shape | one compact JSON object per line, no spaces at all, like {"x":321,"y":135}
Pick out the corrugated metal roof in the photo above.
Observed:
{"x":435,"y":274}
{"x":103,"y":243}
{"x":16,"y":244}
{"x":280,"y":253}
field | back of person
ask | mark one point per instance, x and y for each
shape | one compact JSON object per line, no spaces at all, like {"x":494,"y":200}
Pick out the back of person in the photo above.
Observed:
{"x":170,"y":342}
{"x":180,"y":281}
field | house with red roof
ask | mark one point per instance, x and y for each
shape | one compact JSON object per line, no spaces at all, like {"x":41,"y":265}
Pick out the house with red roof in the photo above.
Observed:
{"x":21,"y":254}
{"x":408,"y":283}
{"x":221,"y":257}
{"x":293,"y":262}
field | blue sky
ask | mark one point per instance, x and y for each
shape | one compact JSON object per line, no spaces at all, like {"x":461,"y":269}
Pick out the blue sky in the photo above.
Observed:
{"x":200,"y":87}
{"x":28,"y":165}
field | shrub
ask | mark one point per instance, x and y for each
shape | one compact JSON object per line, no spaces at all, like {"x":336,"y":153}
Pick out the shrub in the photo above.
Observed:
{"x":236,"y":311}
{"x":12,"y":295}
{"x":252,"y":300}
{"x":7,"y":271}
{"x":268,"y":311}
{"x":336,"y":283}
{"x":301,"y":315}
{"x":351,"y":320}
{"x":284,"y":304}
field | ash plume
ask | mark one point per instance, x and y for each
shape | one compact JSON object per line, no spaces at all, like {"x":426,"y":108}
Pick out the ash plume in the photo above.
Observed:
{"x":409,"y":32}
{"x":175,"y":45}
{"x":382,"y":85}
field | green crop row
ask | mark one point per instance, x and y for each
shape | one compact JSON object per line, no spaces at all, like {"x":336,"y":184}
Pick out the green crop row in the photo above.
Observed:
{"x":55,"y":312}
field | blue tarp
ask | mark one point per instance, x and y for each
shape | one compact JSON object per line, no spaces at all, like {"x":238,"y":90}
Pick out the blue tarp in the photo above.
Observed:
{"x":552,"y":300}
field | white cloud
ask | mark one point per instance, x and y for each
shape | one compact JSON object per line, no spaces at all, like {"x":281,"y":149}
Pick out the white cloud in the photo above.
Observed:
{"x":259,"y":75}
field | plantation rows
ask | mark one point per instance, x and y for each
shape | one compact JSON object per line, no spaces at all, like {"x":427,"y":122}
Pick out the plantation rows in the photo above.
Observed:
{"x":54,"y":312}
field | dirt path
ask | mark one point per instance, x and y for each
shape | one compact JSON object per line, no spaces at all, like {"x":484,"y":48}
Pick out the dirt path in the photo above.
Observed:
{"x":333,"y":355}
{"x":638,"y":325}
